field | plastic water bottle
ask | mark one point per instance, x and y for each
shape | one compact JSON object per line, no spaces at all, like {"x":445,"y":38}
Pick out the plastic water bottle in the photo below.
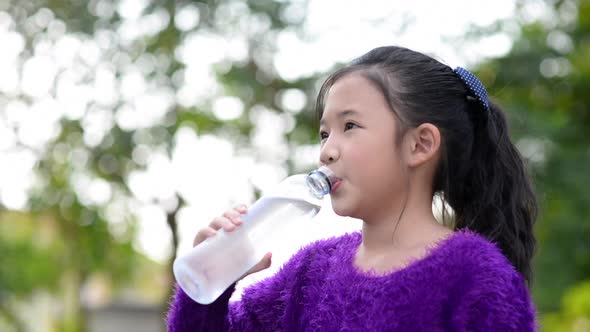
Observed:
{"x":209,"y":268}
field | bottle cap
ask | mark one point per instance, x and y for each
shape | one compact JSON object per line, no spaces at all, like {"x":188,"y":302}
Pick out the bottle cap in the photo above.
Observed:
{"x":320,"y":181}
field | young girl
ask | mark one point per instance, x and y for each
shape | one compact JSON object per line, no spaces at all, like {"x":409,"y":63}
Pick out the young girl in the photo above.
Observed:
{"x":398,"y":128}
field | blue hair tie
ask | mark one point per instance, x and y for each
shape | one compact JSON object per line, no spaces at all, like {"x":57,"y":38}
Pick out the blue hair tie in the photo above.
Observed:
{"x":475,"y":86}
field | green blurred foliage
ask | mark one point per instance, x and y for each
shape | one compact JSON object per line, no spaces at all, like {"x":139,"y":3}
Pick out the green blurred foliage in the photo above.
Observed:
{"x":77,"y":240}
{"x":543,"y":82}
{"x":575,"y":313}
{"x":28,"y":257}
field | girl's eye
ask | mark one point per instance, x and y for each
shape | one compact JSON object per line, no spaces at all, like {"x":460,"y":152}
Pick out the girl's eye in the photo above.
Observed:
{"x":349,"y":125}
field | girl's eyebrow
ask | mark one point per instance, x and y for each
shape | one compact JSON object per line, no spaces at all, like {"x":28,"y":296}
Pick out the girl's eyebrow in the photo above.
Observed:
{"x":340,"y":115}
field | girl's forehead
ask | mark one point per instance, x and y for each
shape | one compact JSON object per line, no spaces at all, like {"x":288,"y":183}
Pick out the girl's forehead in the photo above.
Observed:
{"x":351,"y":82}
{"x":353,"y":92}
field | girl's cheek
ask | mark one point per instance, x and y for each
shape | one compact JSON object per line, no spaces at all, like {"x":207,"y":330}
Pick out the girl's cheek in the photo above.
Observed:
{"x":356,"y":152}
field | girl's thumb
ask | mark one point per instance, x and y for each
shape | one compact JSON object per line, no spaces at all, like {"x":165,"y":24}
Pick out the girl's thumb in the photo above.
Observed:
{"x":263,"y":264}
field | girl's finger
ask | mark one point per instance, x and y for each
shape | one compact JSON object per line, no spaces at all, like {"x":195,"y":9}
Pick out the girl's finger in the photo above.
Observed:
{"x":204,"y":234}
{"x":225,"y":223}
{"x":237,"y":221}
{"x":231,"y":214}
{"x":218,"y":222}
{"x":241,"y":209}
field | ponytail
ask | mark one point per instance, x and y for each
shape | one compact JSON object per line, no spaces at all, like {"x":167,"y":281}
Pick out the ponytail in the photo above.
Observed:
{"x":495,"y":197}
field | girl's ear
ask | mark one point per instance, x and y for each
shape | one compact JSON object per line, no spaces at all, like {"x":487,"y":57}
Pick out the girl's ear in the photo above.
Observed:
{"x":424,"y":144}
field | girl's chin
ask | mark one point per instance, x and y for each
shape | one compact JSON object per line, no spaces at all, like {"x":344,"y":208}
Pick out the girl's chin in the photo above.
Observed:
{"x":341,"y":208}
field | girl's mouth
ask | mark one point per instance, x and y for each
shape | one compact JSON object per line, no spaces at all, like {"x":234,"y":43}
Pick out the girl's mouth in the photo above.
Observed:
{"x":336,"y":185}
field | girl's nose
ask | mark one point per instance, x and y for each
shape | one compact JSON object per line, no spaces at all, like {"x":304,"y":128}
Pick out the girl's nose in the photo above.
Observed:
{"x":329,"y":154}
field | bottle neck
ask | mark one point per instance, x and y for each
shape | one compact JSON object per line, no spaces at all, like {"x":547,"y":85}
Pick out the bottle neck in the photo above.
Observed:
{"x":320,"y":181}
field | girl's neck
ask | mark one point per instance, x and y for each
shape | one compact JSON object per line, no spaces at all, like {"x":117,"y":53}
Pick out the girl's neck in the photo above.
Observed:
{"x":416,"y":228}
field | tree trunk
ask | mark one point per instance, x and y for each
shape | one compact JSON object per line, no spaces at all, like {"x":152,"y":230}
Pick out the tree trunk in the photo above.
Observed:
{"x":73,"y":316}
{"x":173,"y":225}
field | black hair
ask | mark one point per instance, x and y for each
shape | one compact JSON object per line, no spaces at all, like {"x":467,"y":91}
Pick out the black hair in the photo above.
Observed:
{"x":481,"y":174}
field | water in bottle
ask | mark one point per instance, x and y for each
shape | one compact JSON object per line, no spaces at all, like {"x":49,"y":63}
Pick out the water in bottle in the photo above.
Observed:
{"x":206,"y":271}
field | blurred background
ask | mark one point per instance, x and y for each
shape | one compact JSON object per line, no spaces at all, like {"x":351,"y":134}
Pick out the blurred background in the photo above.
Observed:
{"x":126,"y":126}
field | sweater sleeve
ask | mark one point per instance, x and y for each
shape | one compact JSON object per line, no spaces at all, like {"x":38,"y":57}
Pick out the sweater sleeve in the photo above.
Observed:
{"x":188,"y":315}
{"x":262,"y":306}
{"x":496,"y":303}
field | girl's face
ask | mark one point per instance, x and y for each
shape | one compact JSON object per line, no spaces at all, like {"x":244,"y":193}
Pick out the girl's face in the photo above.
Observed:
{"x":357,"y":133}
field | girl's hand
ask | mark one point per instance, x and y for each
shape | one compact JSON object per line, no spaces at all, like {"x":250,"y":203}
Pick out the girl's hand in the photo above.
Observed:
{"x":229,"y":221}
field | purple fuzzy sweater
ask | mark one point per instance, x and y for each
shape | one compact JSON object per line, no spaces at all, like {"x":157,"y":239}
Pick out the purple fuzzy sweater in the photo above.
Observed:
{"x":464,"y":283}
